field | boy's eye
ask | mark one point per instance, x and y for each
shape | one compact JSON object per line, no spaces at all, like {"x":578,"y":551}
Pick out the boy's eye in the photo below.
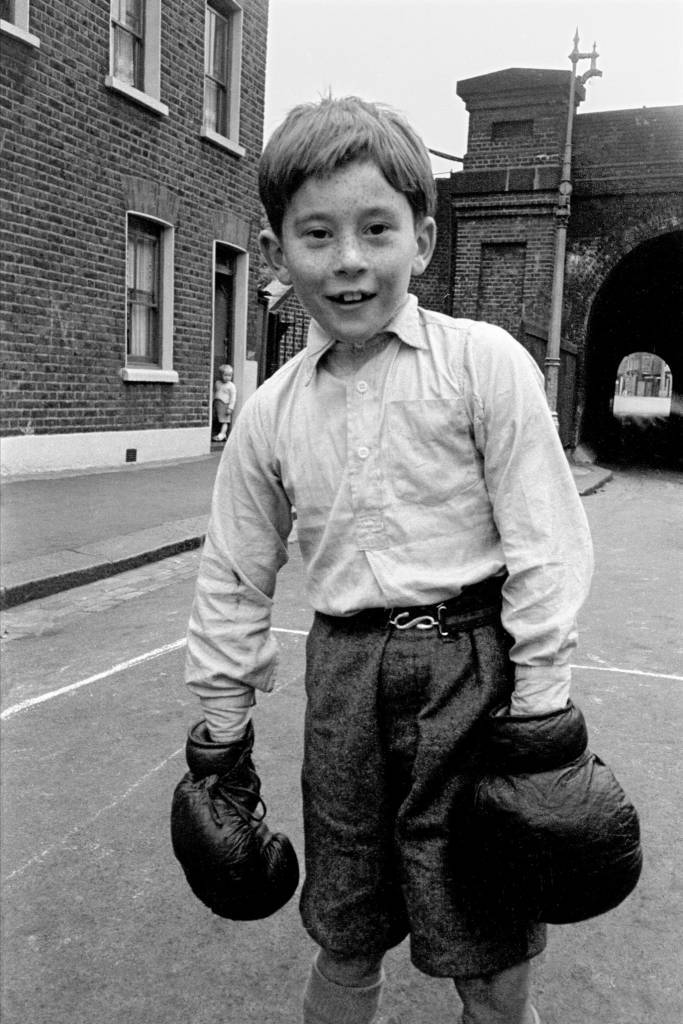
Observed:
{"x":318,"y":233}
{"x":377,"y":229}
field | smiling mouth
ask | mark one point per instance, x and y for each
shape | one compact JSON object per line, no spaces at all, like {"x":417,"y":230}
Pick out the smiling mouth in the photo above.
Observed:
{"x":350,"y":298}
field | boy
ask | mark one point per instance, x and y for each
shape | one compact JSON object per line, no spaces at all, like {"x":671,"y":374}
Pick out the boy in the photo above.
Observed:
{"x":446,"y":556}
{"x":224,"y":398}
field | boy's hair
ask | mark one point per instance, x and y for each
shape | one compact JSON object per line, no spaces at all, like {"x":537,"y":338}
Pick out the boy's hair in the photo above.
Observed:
{"x":224,"y":366}
{"x":316,"y":139}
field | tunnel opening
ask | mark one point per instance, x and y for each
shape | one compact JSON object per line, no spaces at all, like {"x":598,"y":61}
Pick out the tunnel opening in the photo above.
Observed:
{"x":636,"y":325}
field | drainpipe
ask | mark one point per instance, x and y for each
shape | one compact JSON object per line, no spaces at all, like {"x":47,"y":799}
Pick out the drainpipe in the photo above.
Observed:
{"x":552,"y":360}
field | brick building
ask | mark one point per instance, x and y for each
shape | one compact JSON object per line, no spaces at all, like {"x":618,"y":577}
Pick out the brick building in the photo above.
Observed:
{"x":131,"y":136}
{"x":623,"y":289}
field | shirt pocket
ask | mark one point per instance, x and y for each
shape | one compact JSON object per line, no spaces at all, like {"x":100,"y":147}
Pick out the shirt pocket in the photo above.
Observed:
{"x":430,"y":452}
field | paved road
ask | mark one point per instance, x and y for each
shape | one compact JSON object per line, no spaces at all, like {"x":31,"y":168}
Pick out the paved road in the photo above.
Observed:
{"x":153,"y":495}
{"x":99,"y":926}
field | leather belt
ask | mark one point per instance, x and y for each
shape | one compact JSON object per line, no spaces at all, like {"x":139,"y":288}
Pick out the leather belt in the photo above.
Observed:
{"x":472,"y":599}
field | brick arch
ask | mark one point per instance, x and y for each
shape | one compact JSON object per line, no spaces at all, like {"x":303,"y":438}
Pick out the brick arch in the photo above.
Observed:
{"x":630,"y":299}
{"x":590,"y":261}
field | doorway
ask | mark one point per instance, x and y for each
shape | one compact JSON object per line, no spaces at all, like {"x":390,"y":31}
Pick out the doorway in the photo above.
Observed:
{"x":223,"y":316}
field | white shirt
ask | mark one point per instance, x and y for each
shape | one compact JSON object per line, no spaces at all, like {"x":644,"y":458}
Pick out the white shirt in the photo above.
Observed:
{"x":425,"y":463}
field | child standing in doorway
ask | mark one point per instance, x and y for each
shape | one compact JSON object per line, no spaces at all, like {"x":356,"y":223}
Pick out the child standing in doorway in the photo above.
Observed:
{"x":224,"y":398}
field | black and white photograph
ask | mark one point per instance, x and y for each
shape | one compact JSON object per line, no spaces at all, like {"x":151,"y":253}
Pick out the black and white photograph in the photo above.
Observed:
{"x":341,"y":511}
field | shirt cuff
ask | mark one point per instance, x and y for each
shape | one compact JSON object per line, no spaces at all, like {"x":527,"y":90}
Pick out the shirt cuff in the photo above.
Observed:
{"x":227,"y":716}
{"x":538,"y":691}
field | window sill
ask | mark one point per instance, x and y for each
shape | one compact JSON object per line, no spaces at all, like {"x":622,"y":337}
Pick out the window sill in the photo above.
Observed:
{"x":223,"y":141}
{"x":19,"y":33}
{"x":143,"y":98}
{"x":149,"y":374}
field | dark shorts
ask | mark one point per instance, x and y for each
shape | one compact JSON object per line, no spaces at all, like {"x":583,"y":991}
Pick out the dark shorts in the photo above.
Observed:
{"x":389,"y":762}
{"x":221,"y":410}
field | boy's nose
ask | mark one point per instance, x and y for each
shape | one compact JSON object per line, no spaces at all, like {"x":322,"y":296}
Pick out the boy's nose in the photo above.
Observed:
{"x":350,"y":256}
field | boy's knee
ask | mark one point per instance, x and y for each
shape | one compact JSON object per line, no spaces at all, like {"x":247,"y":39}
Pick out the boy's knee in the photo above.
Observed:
{"x":349,"y":971}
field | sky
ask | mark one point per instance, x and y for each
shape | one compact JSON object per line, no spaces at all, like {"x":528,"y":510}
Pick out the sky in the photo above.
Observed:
{"x":412,"y":53}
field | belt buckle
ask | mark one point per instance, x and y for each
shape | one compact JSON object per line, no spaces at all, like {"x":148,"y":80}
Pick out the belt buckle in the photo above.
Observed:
{"x":404,"y":621}
{"x":440,"y":614}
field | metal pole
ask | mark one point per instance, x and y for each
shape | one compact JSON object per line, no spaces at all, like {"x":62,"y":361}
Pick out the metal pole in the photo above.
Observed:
{"x":562,"y":211}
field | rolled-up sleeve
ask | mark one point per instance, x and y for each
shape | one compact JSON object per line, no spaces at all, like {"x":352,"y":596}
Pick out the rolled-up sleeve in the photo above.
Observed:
{"x":538,"y":513}
{"x":230,"y":649}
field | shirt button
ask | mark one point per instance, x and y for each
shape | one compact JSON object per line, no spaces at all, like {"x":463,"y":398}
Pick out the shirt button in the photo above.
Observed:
{"x":363,"y":452}
{"x":362,"y":386}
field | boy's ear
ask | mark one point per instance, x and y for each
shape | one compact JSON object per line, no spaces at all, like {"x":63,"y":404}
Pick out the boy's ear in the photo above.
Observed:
{"x":271,"y":249}
{"x":425,"y":236}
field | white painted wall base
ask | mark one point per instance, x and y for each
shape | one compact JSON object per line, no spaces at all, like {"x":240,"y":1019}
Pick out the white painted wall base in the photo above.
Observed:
{"x":44,"y":453}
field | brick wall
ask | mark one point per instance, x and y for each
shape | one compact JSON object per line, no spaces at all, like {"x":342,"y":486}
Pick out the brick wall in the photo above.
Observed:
{"x":636,"y":149}
{"x":75,"y":153}
{"x":500,"y":294}
{"x":433,"y":288}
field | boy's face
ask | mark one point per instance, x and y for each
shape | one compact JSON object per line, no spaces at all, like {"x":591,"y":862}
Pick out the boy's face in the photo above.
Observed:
{"x":349,"y":244}
{"x":227,"y":374}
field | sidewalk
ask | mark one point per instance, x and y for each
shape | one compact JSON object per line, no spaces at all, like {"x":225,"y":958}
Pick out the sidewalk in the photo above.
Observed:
{"x":61,"y":531}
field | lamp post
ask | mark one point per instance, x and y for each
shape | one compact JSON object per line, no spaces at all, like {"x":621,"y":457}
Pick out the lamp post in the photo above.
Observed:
{"x":552,"y":361}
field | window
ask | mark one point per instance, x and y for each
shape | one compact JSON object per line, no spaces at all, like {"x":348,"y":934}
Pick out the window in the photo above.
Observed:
{"x":142,"y":290}
{"x":149,"y":301}
{"x":128,"y":49}
{"x":14,"y":21}
{"x":222,"y":74}
{"x":135,"y":59}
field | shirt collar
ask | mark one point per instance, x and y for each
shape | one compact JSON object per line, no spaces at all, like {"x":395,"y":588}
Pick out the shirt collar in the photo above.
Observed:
{"x":405,"y":325}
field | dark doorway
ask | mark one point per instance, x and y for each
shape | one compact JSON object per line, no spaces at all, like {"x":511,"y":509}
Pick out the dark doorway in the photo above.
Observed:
{"x":223,"y":314}
{"x":638,"y":310}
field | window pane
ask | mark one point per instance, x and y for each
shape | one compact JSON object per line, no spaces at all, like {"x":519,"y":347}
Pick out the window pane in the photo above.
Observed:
{"x":211,"y":105}
{"x":210,"y":39}
{"x":215,"y":107}
{"x":219,"y":60}
{"x":217,"y":71}
{"x":145,"y":277}
{"x":127,"y":58}
{"x":138,"y":331}
{"x":131,"y":13}
{"x":142,"y":333}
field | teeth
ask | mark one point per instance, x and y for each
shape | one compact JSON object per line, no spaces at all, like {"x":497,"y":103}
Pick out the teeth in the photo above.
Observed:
{"x":351,"y":296}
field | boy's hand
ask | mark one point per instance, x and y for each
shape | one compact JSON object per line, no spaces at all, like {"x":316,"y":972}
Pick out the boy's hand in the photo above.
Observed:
{"x":231,"y":860}
{"x":556,"y":839}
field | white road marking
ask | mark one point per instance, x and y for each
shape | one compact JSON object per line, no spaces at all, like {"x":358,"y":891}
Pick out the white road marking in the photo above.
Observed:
{"x":38,"y":857}
{"x":628,"y":672}
{"x":158,"y":652}
{"x":121,"y":667}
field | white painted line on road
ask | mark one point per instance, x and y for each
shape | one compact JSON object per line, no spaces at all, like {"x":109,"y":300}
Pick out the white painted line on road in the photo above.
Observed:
{"x":31,"y":702}
{"x":38,"y":857}
{"x":122,"y":666}
{"x":629,"y":672}
{"x":158,"y":652}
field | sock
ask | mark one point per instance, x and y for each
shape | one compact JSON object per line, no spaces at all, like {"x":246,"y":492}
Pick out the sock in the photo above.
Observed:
{"x":325,"y":1002}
